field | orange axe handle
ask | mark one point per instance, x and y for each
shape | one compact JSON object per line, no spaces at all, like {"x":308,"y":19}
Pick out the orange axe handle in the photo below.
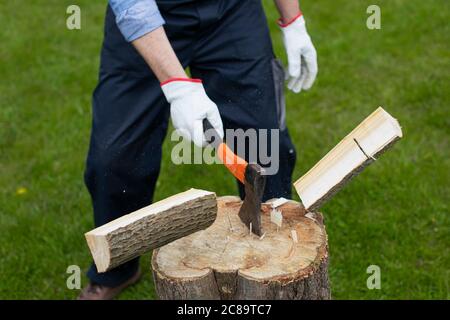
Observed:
{"x":234,"y":163}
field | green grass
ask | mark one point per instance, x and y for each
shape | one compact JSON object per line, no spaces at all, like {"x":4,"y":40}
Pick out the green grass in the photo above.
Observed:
{"x":394,"y":215}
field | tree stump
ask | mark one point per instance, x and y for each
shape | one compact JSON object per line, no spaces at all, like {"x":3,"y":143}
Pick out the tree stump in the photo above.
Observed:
{"x":225,"y":261}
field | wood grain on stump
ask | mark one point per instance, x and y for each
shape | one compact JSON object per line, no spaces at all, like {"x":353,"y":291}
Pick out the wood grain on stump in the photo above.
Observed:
{"x":225,"y":261}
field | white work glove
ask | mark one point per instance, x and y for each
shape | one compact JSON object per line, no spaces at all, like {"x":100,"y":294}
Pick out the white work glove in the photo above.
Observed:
{"x":189,"y":105}
{"x":301,"y":55}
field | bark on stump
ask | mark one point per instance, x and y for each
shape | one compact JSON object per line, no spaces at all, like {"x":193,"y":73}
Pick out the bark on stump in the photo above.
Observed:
{"x":225,"y":261}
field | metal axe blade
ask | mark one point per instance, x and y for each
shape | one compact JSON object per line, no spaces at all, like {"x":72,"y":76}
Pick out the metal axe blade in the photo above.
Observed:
{"x":254,"y":184}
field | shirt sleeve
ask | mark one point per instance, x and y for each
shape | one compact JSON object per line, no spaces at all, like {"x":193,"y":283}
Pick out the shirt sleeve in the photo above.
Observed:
{"x":135,"y":18}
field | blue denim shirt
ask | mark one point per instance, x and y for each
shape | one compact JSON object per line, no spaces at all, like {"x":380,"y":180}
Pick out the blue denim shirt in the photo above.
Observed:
{"x":136,"y":18}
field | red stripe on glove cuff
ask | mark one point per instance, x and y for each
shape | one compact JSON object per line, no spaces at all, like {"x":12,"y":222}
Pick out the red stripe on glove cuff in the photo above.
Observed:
{"x":181,"y":79}
{"x":284,"y":25}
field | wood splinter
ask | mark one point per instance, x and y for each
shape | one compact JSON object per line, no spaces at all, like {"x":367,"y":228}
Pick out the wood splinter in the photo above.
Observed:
{"x":294,"y":236}
{"x":276,"y":217}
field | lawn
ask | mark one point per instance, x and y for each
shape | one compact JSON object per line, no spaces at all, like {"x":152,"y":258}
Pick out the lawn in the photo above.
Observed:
{"x":394,"y":215}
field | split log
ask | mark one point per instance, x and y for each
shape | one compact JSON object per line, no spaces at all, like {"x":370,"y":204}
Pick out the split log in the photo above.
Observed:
{"x":376,"y":134}
{"x":226,"y":261}
{"x":151,"y":227}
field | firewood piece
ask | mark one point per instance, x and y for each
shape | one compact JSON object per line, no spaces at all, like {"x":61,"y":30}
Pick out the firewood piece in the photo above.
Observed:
{"x":361,"y":147}
{"x":151,"y":227}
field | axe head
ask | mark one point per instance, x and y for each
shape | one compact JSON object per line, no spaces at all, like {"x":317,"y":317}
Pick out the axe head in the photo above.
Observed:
{"x":250,"y":212}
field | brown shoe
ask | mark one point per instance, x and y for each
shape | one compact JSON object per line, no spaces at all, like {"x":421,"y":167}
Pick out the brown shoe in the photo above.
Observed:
{"x":98,"y":292}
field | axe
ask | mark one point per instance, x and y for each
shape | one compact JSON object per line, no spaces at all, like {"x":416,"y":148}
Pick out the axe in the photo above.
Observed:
{"x":250,"y":174}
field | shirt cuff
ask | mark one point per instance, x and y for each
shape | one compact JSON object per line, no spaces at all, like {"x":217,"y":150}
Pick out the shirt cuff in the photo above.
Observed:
{"x":139,"y":19}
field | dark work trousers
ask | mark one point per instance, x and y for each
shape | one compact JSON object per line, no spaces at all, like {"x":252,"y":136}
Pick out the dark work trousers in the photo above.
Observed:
{"x":227,"y":44}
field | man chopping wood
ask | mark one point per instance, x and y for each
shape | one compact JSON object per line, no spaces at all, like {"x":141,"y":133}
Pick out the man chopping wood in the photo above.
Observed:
{"x":236,"y":83}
